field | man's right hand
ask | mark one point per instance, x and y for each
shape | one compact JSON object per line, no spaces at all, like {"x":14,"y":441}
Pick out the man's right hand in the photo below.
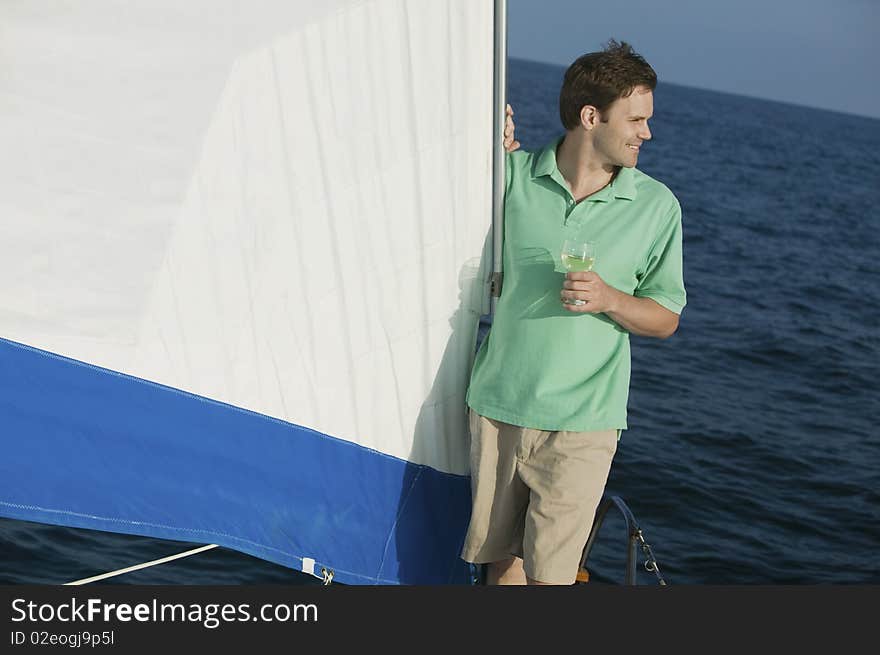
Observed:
{"x":510,"y":144}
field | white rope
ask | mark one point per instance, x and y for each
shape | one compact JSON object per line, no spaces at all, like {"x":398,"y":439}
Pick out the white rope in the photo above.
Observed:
{"x":142,"y":566}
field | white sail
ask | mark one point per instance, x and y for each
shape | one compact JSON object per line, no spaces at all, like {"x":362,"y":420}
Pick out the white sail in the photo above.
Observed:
{"x":278,"y":206}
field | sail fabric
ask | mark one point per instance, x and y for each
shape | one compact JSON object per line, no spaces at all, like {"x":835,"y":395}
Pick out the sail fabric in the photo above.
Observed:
{"x":241,"y":273}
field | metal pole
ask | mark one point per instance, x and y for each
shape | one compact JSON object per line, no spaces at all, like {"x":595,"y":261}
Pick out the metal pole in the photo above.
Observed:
{"x":498,"y":155}
{"x":631,"y":560}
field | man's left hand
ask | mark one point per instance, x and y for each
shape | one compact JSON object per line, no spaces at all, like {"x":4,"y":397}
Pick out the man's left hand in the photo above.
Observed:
{"x":590,"y":287}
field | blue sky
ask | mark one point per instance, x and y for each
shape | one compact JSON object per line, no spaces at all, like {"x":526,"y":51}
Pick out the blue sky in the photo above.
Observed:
{"x":819,"y":53}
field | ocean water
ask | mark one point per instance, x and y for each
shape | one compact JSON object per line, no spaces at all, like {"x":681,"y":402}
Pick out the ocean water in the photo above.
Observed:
{"x":753,"y":454}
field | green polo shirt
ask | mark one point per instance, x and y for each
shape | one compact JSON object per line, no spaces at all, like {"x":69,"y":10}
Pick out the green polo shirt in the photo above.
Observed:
{"x":541,"y":366}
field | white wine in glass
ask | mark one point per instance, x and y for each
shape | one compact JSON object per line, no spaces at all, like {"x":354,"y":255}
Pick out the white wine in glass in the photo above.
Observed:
{"x":578,"y":256}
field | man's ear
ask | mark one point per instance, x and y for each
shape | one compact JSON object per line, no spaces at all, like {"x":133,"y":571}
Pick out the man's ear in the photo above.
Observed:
{"x":589,"y":117}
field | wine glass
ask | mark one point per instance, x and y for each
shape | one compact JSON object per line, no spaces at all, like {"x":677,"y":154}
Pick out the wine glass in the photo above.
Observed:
{"x":578,"y":255}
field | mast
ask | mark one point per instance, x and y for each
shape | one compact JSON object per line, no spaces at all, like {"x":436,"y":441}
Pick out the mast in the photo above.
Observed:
{"x":498,"y":155}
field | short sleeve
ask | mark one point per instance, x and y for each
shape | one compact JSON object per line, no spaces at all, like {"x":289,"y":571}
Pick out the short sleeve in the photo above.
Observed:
{"x":663,"y":279}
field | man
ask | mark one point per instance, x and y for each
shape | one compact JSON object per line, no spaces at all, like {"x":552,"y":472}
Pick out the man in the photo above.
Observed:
{"x":550,"y":383}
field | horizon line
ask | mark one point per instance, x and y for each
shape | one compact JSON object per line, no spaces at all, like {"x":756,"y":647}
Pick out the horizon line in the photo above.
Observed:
{"x":791,"y":103}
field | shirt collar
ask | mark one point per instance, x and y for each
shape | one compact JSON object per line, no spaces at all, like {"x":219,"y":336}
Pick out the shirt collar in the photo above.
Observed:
{"x":623,"y":185}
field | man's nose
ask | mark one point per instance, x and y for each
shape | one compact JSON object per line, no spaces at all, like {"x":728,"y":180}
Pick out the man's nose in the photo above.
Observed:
{"x":645,"y":134}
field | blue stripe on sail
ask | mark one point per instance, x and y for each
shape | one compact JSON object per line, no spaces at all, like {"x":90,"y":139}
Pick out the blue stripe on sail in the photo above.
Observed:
{"x":92,"y":448}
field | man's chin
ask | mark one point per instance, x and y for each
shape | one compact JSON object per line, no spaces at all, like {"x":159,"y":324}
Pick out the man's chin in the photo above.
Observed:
{"x":629,"y":160}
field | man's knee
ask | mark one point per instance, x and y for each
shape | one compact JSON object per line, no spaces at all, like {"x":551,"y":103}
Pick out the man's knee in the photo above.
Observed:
{"x":506,"y":572}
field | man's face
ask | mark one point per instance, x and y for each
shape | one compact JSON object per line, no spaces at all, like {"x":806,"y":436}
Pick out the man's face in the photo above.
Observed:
{"x":617,"y":140}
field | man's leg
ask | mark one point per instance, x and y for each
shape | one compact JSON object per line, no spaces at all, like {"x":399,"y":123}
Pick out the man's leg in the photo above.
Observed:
{"x":566,"y":474}
{"x":500,"y":499}
{"x":506,"y":572}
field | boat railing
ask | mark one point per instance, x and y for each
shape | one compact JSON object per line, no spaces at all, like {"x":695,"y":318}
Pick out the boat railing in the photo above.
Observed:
{"x":635,"y":539}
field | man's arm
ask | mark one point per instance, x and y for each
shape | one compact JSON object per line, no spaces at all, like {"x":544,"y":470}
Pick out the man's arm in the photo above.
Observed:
{"x":640,"y":316}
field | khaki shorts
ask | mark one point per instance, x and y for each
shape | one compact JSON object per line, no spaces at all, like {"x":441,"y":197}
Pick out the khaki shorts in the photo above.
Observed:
{"x":535,"y":495}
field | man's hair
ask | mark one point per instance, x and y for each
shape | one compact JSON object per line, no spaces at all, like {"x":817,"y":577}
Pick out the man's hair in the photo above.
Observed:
{"x":600,"y":78}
